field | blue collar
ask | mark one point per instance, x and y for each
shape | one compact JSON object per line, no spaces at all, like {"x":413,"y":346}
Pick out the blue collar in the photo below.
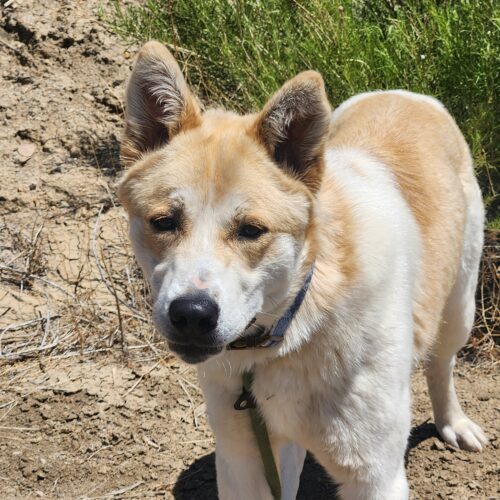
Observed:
{"x":262,"y":336}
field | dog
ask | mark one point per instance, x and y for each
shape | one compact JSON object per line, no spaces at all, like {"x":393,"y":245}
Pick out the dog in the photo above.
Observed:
{"x":359,"y":231}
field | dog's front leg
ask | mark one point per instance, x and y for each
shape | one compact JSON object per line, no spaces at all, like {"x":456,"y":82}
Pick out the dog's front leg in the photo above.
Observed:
{"x":239,"y":476}
{"x":393,"y":487}
{"x":240,"y":473}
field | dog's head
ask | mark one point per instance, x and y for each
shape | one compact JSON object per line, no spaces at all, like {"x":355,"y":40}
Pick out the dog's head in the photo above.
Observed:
{"x":220,"y":205}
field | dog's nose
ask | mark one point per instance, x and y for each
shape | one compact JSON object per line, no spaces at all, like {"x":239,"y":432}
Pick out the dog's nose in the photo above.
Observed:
{"x":194,"y":314}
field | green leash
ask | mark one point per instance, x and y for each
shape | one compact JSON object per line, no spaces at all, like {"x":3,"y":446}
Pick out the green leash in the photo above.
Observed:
{"x":247,"y":402}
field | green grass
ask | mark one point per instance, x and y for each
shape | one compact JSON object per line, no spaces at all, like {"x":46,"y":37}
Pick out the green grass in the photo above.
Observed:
{"x":237,"y":52}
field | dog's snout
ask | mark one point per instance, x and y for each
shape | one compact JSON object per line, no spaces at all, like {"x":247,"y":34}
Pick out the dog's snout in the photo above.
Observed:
{"x":194,"y":314}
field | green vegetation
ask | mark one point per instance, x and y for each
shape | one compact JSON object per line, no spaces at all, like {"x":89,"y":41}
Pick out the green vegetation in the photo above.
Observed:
{"x":238,"y":52}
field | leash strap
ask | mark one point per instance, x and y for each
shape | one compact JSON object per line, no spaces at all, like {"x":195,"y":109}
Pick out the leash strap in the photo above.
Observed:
{"x":246,"y":401}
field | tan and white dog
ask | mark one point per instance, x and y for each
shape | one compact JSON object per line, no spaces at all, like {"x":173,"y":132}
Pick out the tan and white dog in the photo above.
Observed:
{"x":229,"y":213}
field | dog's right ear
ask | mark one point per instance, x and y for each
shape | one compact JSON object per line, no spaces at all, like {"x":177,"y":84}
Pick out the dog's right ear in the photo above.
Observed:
{"x":158,"y":103}
{"x":294,"y":127}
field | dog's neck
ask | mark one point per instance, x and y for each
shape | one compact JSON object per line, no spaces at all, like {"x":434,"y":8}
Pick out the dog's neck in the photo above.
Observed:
{"x":263,"y":331}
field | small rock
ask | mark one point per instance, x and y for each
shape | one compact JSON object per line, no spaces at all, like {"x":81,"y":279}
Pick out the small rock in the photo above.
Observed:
{"x":103,"y":469}
{"x":114,"y":399}
{"x":146,"y":426}
{"x":49,"y":146}
{"x":438,"y":445}
{"x":93,"y":390}
{"x":90,"y":411}
{"x":72,"y":387}
{"x":41,"y":397}
{"x":26,"y":149}
{"x":71,"y":416}
{"x":45,"y":412}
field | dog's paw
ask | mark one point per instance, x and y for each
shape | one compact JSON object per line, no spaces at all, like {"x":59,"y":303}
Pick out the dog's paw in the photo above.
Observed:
{"x":463,"y":433}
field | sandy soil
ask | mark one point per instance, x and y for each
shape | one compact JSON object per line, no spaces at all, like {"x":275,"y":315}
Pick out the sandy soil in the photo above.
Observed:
{"x":91,"y":406}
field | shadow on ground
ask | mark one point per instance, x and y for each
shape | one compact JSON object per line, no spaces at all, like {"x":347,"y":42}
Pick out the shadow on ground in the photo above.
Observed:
{"x":420,"y":433}
{"x":199,"y":481}
{"x":102,"y":153}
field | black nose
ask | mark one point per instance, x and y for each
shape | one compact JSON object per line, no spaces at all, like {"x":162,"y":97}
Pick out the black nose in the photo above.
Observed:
{"x":194,"y":314}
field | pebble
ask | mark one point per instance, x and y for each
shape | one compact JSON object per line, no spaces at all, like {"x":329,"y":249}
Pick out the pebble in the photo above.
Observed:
{"x":438,"y":445}
{"x":26,"y":149}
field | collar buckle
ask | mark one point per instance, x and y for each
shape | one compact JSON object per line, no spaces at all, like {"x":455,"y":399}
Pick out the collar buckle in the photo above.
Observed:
{"x":246,"y":401}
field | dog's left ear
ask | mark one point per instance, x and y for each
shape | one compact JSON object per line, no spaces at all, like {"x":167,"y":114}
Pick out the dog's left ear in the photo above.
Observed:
{"x":294,"y":126}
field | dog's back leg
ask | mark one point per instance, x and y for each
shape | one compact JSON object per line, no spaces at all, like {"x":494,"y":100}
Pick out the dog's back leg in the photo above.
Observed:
{"x":458,"y":318}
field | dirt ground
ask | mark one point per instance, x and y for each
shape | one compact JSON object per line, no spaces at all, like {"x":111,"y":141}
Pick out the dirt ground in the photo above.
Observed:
{"x":91,"y":405}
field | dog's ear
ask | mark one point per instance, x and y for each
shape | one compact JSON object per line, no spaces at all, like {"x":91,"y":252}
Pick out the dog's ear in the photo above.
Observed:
{"x":294,"y":125}
{"x":158,"y":103}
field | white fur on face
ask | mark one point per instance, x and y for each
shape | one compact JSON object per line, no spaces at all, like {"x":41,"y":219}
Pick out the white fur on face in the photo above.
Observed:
{"x":194,"y":264}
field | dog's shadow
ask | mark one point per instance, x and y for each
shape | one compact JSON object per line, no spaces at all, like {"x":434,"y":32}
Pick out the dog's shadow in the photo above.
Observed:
{"x":199,"y":483}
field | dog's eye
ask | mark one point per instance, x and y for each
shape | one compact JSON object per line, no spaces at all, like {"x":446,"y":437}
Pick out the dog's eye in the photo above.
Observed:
{"x":250,"y":231}
{"x":164,"y":224}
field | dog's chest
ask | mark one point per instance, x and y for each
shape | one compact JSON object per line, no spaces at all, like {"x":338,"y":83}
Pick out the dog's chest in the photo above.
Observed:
{"x":288,"y":402}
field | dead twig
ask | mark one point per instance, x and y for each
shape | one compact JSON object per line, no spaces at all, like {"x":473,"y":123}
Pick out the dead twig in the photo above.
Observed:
{"x":142,"y":377}
{"x":101,"y":269}
{"x":121,"y":491}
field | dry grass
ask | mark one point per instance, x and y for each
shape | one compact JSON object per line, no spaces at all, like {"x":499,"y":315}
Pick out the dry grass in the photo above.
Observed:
{"x":26,"y":259}
{"x":102,"y":307}
{"x":485,"y":339}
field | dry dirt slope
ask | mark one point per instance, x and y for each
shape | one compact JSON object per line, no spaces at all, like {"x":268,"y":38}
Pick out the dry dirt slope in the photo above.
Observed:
{"x":77,"y":418}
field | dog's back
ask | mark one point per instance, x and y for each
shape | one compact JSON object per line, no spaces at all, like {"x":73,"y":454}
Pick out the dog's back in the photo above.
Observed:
{"x":416,"y":138}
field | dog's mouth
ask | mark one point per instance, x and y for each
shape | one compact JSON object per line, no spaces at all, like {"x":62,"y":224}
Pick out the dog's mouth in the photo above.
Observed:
{"x":194,"y":354}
